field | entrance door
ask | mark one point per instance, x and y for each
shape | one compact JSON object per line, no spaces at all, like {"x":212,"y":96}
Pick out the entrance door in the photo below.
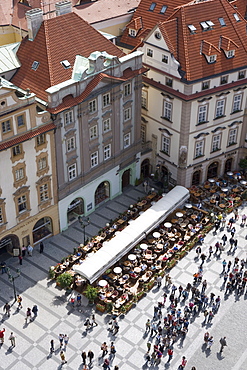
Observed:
{"x":213,"y":170}
{"x":125,"y":178}
{"x":9,"y":243}
{"x":145,"y":168}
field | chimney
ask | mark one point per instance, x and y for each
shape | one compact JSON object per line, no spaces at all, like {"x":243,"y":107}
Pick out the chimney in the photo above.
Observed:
{"x":63,"y":7}
{"x":34,"y":20}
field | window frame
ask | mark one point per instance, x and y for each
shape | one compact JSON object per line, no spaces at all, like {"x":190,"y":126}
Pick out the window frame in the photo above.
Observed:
{"x":169,"y":82}
{"x":108,"y":125}
{"x":8,"y":128}
{"x":126,"y":140}
{"x":19,"y":171}
{"x":93,"y":132}
{"x":215,"y":148}
{"x":220,"y":108}
{"x":205,"y":114}
{"x":23,"y":200}
{"x":166,"y":109}
{"x":40,"y":139}
{"x":23,"y":121}
{"x":166,"y":145}
{"x":68,"y":117}
{"x":44,"y":192}
{"x":92,"y":106}
{"x":205,"y":85}
{"x":19,"y":151}
{"x":164,"y":58}
{"x":132,"y":32}
{"x":239,"y":102}
{"x":127,"y":114}
{"x":42,"y":160}
{"x":70,"y":144}
{"x":94,"y":159}
{"x":107,"y":152}
{"x":106,"y":99}
{"x":150,"y":53}
{"x":224,"y":79}
{"x":144,"y":99}
{"x":72,"y":171}
{"x":235,"y":135}
{"x":127,"y":89}
{"x":199,"y":148}
{"x":241,"y":74}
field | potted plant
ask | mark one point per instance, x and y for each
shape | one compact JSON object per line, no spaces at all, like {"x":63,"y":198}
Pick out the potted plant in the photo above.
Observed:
{"x":100,"y":307}
{"x":91,"y":293}
{"x":64,"y":280}
{"x":51,"y":272}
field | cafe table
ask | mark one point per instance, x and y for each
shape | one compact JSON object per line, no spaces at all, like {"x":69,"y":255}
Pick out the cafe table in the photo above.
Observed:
{"x":221,"y":205}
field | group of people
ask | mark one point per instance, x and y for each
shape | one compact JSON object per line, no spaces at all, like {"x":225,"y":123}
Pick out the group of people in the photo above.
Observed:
{"x":11,"y":338}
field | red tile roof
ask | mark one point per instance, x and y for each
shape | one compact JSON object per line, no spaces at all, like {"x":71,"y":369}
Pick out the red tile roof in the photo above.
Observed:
{"x":27,"y":136}
{"x":58,"y":39}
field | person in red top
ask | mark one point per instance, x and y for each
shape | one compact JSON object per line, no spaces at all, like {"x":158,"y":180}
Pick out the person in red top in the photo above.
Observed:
{"x":183,"y":363}
{"x":2,"y":336}
{"x":170,"y":354}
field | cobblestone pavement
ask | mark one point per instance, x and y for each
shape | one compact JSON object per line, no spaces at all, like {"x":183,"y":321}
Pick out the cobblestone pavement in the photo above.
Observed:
{"x":56,"y":315}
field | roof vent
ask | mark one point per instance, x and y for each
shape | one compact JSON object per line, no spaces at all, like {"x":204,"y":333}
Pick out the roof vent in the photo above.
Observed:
{"x":63,"y":7}
{"x":35,"y":65}
{"x":66,"y":64}
{"x":34,"y":20}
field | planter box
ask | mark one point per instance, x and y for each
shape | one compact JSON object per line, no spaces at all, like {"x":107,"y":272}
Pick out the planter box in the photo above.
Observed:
{"x":100,"y":307}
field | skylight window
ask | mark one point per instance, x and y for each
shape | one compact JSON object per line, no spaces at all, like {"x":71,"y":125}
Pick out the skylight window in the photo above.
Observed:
{"x":66,"y":64}
{"x":35,"y":65}
{"x":152,"y":6}
{"x":163,"y":9}
{"x":205,"y":26}
{"x":236,"y":17}
{"x":192,"y":28}
{"x":222,"y":22}
{"x":210,"y":23}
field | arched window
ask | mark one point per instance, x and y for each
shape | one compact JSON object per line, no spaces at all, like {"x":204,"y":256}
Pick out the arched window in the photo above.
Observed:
{"x":102,"y":192}
{"x":75,"y":209}
{"x":213,"y":170}
{"x":228,"y":165}
{"x":196,"y":178}
{"x":145,"y":166}
{"x":42,"y":229}
{"x":126,"y":178}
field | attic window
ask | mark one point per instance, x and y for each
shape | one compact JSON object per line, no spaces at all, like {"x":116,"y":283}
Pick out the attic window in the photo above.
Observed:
{"x":192,"y":28}
{"x":222,"y":22}
{"x":210,"y":23}
{"x":230,"y":53}
{"x":236,"y":17}
{"x":157,"y":35}
{"x":211,"y":58}
{"x":35,"y":65}
{"x":163,"y":9}
{"x":66,"y":64}
{"x":204,"y":26}
{"x":152,"y":6}
{"x":132,"y":32}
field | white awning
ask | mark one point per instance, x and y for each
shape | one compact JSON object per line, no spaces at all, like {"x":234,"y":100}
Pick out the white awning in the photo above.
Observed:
{"x":114,"y":249}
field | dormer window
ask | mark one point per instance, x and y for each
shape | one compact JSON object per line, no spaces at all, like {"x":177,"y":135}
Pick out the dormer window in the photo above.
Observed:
{"x":211,"y":58}
{"x":230,"y":53}
{"x":132,"y":32}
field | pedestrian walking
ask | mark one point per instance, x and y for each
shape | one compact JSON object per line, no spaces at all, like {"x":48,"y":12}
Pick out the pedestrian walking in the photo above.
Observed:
{"x":2,"y":336}
{"x":3,"y":267}
{"x":23,"y":250}
{"x":66,"y":340}
{"x":210,"y":251}
{"x":229,"y":266}
{"x":206,"y":336}
{"x":60,"y":337}
{"x":183,"y":363}
{"x":235,"y":245}
{"x":12,"y":339}
{"x":243,"y":219}
{"x":7,"y":308}
{"x":52,"y":346}
{"x":41,"y":247}
{"x":159,"y":280}
{"x":112,"y":350}
{"x":20,"y":259}
{"x":170,"y":354}
{"x":224,"y":263}
{"x":35,"y":311}
{"x":78,"y":299}
{"x":148,"y":325}
{"x":28,"y":315}
{"x":106,"y":364}
{"x":93,"y":320}
{"x":222,"y":343}
{"x":149,"y":346}
{"x":62,"y":356}
{"x":88,"y":324}
{"x":210,"y":342}
{"x":90,"y":355}
{"x":104,"y":349}
{"x":84,"y":357}
{"x":148,"y":359}
{"x":233,"y":230}
{"x":224,"y":238}
{"x":19,"y":301}
{"x":30,"y":250}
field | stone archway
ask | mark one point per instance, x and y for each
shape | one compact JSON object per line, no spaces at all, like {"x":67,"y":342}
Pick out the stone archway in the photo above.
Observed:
{"x":75,"y":209}
{"x":8,"y":243}
{"x":196,"y":178}
{"x":42,"y":229}
{"x":213,"y":170}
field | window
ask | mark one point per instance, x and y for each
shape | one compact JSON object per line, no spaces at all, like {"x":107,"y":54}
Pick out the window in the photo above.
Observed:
{"x":16,"y":150}
{"x":166,"y":144}
{"x":152,"y":6}
{"x":107,"y":151}
{"x":241,"y":75}
{"x":127,"y":114}
{"x":143,"y":134}
{"x":232,"y":136}
{"x":144,"y":101}
{"x":70,"y":144}
{"x":192,"y":28}
{"x":19,"y":174}
{"x":72,"y":172}
{"x":202,"y":113}
{"x":66,"y":64}
{"x":205,"y":85}
{"x":35,"y":65}
{"x":220,"y":108}
{"x":68,"y":117}
{"x":6,"y":126}
{"x":223,"y":80}
{"x":230,"y":53}
{"x":42,"y":163}
{"x":149,"y":52}
{"x":106,"y":99}
{"x":199,"y":148}
{"x":22,"y":203}
{"x":212,"y":58}
{"x":94,"y":159}
{"x":237,"y":99}
{"x":93,"y":132}
{"x":40,"y":139}
{"x":168,"y":110}
{"x":132,"y":32}
{"x":236,"y":17}
{"x":168,"y":82}
{"x":222,"y":22}
{"x":20,"y":120}
{"x":157,"y":35}
{"x":43,"y":193}
{"x":216,"y":143}
{"x":163,"y":9}
{"x":126,"y":140}
{"x":165,"y":59}
{"x":127,"y":89}
{"x":92,"y":107}
{"x":107,"y":125}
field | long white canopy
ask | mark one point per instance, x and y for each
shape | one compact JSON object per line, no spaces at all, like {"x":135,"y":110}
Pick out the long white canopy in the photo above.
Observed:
{"x":112,"y":250}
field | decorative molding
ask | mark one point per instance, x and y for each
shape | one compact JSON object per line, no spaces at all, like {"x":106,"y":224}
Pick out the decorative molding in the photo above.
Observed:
{"x":166,"y":131}
{"x":220,"y":128}
{"x":201,"y":134}
{"x":235,"y":123}
{"x":204,"y":99}
{"x":223,"y":93}
{"x":167,"y":96}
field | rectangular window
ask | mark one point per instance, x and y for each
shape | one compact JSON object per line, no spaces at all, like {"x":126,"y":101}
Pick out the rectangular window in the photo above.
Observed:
{"x":163,"y":9}
{"x":132,"y":32}
{"x":72,"y":172}
{"x":152,"y":6}
{"x":220,"y":108}
{"x":237,"y":99}
{"x":143,"y":134}
{"x":205,"y":85}
{"x":168,"y":82}
{"x":166,"y":144}
{"x":149,"y":52}
{"x":93,"y":132}
{"x":16,"y":150}
{"x":92,"y":106}
{"x":164,"y":59}
{"x":126,"y":140}
{"x":202,"y":113}
{"x":70,"y":144}
{"x":40,"y":139}
{"x":19,"y":174}
{"x":241,"y":75}
{"x":106,"y":99}
{"x":20,"y":120}
{"x":68,"y":117}
{"x":216,"y":143}
{"x":22,"y":203}
{"x":43,"y":193}
{"x":107,"y":151}
{"x":6,"y":126}
{"x":223,"y":80}
{"x":199,"y":148}
{"x":168,"y":110}
{"x":127,"y":89}
{"x":144,"y":99}
{"x":94,"y":159}
{"x":107,"y":125}
{"x":127,"y":114}
{"x":232,"y":136}
{"x":42,"y":163}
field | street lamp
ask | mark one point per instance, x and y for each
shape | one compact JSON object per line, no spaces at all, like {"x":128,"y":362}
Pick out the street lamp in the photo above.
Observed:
{"x":12,"y":280}
{"x":84,"y":221}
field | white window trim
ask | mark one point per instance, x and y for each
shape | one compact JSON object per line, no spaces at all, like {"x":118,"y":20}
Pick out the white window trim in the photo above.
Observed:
{"x":107,"y":123}
{"x":199,"y":148}
{"x":92,"y":106}
{"x":72,"y":172}
{"x":68,"y":117}
{"x":94,"y":159}
{"x":126,"y":139}
{"x":166,"y":142}
{"x":93,"y":132}
{"x":107,"y":152}
{"x":127,"y":114}
{"x":106,"y":100}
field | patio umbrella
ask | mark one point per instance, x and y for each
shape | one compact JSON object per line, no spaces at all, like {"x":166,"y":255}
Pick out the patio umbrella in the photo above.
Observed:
{"x":188,"y":205}
{"x":211,"y":180}
{"x":144,"y":246}
{"x":167,"y":225}
{"x":102,"y":283}
{"x":132,"y":257}
{"x":156,"y":235}
{"x":229,"y":173}
{"x":179,"y":214}
{"x":243,"y":182}
{"x":225,"y":190}
{"x":117,"y":270}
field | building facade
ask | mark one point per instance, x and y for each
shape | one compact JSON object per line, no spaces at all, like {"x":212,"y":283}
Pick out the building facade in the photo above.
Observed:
{"x":28,"y":195}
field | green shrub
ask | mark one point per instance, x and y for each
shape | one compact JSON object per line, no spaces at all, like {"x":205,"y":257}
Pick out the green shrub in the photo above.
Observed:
{"x":64,"y":280}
